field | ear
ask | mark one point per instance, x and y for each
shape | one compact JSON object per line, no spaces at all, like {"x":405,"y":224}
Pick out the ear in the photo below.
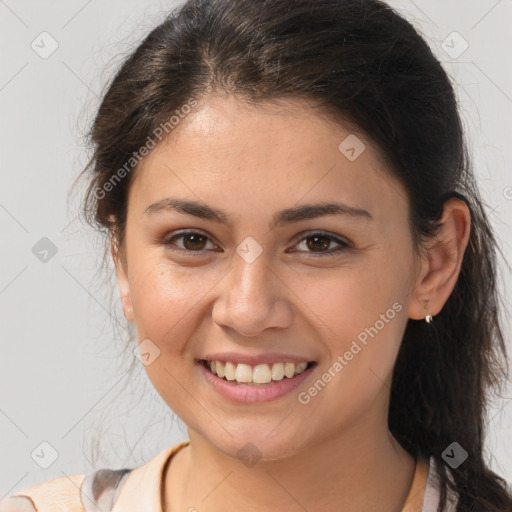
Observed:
{"x":441,"y":265}
{"x":122,"y":282}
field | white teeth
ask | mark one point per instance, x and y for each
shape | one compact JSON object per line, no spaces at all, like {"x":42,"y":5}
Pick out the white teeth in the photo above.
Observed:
{"x":300,"y":367}
{"x":260,"y":374}
{"x":220,"y":369}
{"x":243,"y":373}
{"x":289,"y":370}
{"x":229,"y":371}
{"x":277,"y":371}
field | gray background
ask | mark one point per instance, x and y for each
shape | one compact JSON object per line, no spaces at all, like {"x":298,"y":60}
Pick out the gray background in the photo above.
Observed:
{"x":61,"y":373}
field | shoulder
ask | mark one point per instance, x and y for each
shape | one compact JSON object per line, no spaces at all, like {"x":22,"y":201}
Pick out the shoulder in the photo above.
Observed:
{"x":63,"y":491}
{"x":74,"y":493}
{"x":17,"y":504}
{"x":99,"y":490}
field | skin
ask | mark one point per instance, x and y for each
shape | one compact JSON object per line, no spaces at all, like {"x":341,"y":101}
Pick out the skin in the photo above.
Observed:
{"x":251,"y":163}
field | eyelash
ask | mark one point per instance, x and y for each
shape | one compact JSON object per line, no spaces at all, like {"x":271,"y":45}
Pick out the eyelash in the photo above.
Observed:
{"x":343,"y":245}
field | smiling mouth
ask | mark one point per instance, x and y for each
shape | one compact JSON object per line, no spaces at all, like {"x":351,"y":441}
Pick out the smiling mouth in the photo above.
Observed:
{"x":257,"y":375}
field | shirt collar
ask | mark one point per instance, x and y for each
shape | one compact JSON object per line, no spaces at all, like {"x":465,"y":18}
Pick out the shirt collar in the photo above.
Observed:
{"x":142,"y":491}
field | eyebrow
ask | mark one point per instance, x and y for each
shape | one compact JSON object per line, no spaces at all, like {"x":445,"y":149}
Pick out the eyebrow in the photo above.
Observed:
{"x":287,"y":216}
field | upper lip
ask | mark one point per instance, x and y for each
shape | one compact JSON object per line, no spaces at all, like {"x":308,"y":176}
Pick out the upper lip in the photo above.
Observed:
{"x":254,"y":359}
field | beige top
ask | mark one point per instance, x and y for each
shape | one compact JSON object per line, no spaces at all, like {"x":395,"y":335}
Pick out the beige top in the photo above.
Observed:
{"x":141,"y":490}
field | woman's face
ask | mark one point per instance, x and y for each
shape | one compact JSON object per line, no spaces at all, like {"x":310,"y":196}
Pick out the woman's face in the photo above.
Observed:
{"x":260,"y":283}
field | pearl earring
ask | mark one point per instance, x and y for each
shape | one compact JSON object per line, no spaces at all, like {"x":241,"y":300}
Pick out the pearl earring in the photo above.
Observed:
{"x":428,"y":318}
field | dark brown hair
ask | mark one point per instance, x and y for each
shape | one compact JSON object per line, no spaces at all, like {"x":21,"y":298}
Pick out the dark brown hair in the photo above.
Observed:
{"x":360,"y":62}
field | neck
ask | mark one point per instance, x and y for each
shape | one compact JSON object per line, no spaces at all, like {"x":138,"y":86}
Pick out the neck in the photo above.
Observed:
{"x":356,"y":470}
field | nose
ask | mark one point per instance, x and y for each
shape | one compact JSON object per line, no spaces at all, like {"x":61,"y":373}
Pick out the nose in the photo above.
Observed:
{"x":252,"y":298}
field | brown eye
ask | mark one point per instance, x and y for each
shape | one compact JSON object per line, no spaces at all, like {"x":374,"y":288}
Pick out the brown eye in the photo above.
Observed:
{"x":191,"y":242}
{"x":317,"y":243}
{"x":194,"y":242}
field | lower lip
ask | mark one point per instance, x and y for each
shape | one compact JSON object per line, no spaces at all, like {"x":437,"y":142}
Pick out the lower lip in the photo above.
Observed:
{"x":250,"y":394}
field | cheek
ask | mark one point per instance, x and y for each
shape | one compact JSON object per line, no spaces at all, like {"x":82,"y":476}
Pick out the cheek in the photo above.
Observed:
{"x":363,"y":316}
{"x":166,"y":308}
{"x":160,"y":299}
{"x":362,"y":312}
{"x":167,"y":301}
{"x":351,"y":299}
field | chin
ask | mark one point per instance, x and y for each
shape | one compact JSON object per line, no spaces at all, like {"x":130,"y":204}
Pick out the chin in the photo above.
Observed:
{"x":251,"y":449}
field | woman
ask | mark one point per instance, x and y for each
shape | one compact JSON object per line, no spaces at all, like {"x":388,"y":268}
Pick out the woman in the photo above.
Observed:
{"x":301,"y":246}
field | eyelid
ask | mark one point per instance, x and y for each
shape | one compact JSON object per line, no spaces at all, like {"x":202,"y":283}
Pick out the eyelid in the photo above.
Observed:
{"x":343,"y":244}
{"x":168,"y":239}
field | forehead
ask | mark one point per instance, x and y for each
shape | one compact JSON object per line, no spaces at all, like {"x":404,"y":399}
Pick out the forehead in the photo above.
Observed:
{"x":226,"y":152}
